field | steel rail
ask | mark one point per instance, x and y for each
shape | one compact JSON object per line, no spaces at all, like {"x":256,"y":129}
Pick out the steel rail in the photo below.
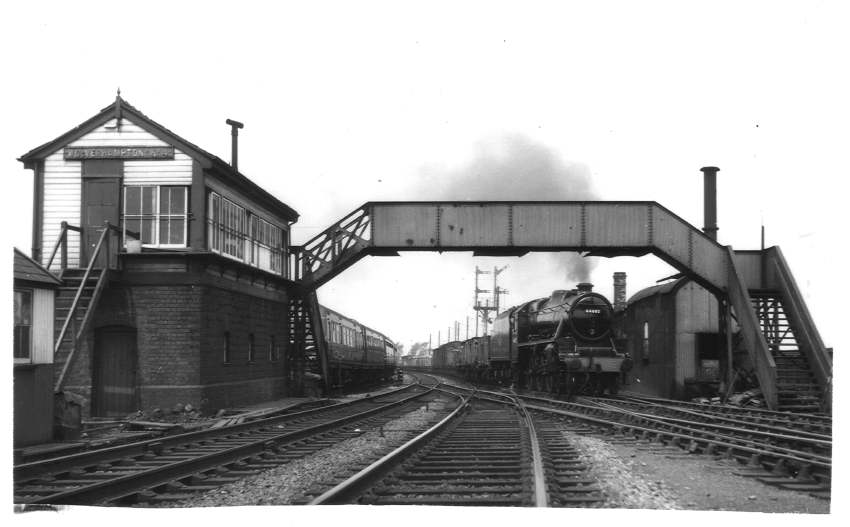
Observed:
{"x":58,"y":464}
{"x":367,"y":477}
{"x":123,"y":486}
{"x":672,"y":434}
{"x":813,"y":418}
{"x":826,"y":444}
{"x":349,"y":489}
{"x":817,"y":440}
{"x":688,"y":426}
{"x":540,"y":493}
{"x":722,"y":418}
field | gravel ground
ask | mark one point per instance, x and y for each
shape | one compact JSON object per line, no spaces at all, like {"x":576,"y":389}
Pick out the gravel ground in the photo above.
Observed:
{"x":635,"y":478}
{"x":288,"y":483}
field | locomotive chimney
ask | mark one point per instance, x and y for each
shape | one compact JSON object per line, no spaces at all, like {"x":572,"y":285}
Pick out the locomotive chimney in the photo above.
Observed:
{"x":584,"y":287}
{"x":234,"y":143}
{"x":710,"y":201}
{"x":619,"y":291}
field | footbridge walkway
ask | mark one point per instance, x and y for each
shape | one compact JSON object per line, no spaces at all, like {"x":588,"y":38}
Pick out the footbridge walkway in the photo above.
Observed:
{"x":757,"y":287}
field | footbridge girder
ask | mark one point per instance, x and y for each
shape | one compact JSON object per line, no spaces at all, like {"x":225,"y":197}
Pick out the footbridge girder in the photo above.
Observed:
{"x":602,"y":228}
{"x":595,"y":228}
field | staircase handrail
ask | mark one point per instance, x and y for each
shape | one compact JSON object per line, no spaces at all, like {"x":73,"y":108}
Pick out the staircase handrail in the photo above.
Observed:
{"x":802,"y":322}
{"x":92,"y":260}
{"x":757,"y":347}
{"x":62,"y":240}
{"x":334,"y":241}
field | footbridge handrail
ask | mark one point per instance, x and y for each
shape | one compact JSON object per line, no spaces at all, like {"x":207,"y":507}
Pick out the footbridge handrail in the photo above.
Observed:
{"x":801,"y":320}
{"x":757,"y":348}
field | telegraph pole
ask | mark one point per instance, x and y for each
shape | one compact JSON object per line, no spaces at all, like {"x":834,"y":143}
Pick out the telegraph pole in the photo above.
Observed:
{"x":483,"y":311}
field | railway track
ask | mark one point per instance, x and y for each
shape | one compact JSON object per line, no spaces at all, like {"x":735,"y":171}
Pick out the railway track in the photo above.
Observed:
{"x":788,"y":450}
{"x":816,"y":424}
{"x":173,"y":467}
{"x":787,"y":458}
{"x":489,"y":452}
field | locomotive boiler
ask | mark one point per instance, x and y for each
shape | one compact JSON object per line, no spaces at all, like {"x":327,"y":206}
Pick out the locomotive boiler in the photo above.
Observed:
{"x":561,"y":343}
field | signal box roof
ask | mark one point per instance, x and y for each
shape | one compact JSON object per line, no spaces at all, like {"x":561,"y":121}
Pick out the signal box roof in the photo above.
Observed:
{"x":121,"y":109}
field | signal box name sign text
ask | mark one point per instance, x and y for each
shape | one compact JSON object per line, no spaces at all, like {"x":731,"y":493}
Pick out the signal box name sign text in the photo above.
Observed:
{"x":119,"y":152}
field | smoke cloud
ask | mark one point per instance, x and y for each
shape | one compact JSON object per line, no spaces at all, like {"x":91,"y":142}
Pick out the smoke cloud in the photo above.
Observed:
{"x":419,"y":349}
{"x":515,"y":168}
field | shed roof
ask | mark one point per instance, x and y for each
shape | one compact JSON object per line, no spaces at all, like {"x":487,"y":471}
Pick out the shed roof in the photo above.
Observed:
{"x":660,"y":289}
{"x":120,"y":109}
{"x":28,"y":270}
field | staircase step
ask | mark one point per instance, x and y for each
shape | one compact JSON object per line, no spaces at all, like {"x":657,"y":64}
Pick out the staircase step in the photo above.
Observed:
{"x":813,"y":393}
{"x":798,"y":399}
{"x":793,"y":370}
{"x":801,"y":408}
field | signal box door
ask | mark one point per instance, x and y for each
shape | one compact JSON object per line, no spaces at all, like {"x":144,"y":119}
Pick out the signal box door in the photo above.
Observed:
{"x":101,"y":201}
{"x":114,"y":372}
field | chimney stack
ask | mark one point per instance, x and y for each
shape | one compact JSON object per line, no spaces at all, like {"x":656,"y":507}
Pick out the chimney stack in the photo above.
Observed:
{"x":710,"y":201}
{"x":619,"y":291}
{"x":234,"y":145}
{"x":584,"y":287}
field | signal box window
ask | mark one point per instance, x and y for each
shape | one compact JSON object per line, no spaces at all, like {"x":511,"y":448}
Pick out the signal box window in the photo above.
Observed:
{"x":23,"y":325}
{"x":157,"y":214}
{"x":226,"y":348}
{"x":238,"y":233}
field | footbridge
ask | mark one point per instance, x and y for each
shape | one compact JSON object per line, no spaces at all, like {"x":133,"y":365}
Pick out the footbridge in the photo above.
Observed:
{"x":755,"y":287}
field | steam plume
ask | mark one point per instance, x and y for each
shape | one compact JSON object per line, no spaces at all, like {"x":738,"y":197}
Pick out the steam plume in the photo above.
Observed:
{"x":514,"y":168}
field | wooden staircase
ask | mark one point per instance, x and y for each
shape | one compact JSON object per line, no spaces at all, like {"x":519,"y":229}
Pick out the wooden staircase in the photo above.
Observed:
{"x":70,"y":326}
{"x":81,"y":289}
{"x":797,"y":387}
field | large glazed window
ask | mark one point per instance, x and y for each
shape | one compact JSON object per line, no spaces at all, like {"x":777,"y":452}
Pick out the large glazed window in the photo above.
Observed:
{"x":265,"y":243}
{"x":157,"y":214}
{"x":227,"y":227}
{"x":240,"y":234}
{"x":23,"y":325}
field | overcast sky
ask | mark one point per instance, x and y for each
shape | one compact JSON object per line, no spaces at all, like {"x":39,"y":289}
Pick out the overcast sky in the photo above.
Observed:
{"x":344,"y":104}
{"x":349,"y":102}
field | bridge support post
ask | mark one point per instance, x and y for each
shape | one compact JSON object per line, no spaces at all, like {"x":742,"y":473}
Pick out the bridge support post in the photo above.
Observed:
{"x":319,"y":339}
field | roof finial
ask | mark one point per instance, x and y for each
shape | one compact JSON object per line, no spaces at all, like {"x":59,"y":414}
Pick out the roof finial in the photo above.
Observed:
{"x":119,"y":113}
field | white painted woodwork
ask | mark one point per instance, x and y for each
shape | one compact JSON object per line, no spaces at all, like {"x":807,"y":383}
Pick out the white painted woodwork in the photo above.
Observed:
{"x":62,"y":197}
{"x":63,"y":180}
{"x":42,"y":326}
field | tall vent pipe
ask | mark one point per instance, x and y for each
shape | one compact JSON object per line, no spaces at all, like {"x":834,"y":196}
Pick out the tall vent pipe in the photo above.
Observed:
{"x":234,"y":144}
{"x":619,"y":291}
{"x":710,"y":203}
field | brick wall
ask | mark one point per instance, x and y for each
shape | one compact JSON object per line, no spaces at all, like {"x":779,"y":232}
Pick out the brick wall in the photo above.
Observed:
{"x":180,"y":333}
{"x":240,"y":315}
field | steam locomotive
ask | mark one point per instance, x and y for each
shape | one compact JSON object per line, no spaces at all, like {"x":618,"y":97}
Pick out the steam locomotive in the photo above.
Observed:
{"x":357,"y":354}
{"x":561,"y":344}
